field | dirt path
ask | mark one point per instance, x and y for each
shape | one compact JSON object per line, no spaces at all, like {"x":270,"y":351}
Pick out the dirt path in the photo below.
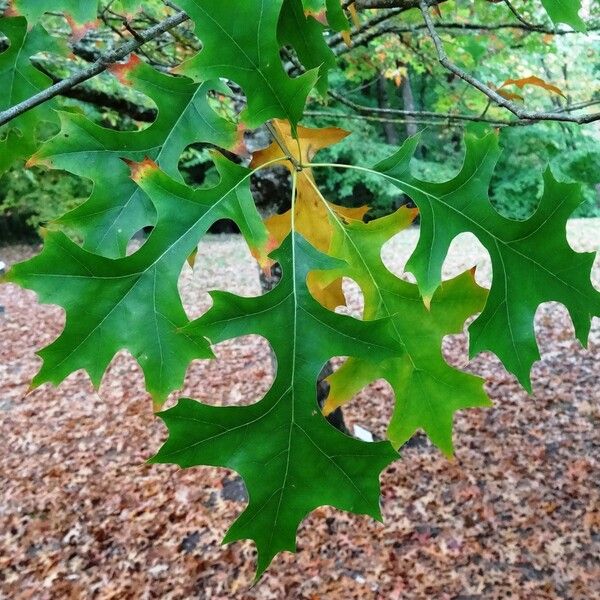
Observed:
{"x":515,"y":515}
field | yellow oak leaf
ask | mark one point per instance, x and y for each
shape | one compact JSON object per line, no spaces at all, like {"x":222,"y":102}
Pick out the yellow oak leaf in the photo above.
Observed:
{"x":311,"y":209}
{"x":329,"y":293}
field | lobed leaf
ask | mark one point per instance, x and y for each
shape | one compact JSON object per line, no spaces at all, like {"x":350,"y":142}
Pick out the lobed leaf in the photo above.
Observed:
{"x":310,"y":208}
{"x":428,"y":391}
{"x":333,"y":10}
{"x":19,"y":80}
{"x":239,"y":42}
{"x":292,"y":460}
{"x":535,"y":81}
{"x":305,"y":34}
{"x":118,"y":208}
{"x":532,"y":261}
{"x":133,"y":303}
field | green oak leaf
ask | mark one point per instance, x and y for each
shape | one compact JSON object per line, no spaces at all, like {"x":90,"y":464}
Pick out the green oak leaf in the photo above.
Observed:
{"x":239,"y":39}
{"x":133,"y":303}
{"x":117,"y":207}
{"x":532,"y":261}
{"x":19,"y":80}
{"x":565,"y":11}
{"x":336,"y":18}
{"x":292,"y":460}
{"x":82,"y":11}
{"x":305,"y":35}
{"x":428,"y":391}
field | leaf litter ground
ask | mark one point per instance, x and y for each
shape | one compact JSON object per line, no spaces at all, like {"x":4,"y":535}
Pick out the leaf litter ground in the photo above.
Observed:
{"x":515,"y":515}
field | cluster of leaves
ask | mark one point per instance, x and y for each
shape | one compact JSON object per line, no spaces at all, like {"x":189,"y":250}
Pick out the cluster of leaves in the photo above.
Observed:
{"x":291,"y":459}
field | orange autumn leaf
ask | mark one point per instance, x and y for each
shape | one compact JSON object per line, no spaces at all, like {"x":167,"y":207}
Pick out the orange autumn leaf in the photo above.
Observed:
{"x":122,"y":70}
{"x":510,"y":95}
{"x":79,"y":31}
{"x":532,"y":80}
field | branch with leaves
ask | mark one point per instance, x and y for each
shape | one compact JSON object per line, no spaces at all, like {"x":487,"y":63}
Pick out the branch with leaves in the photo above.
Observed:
{"x":291,"y":459}
{"x":101,"y":65}
{"x":494,"y":95}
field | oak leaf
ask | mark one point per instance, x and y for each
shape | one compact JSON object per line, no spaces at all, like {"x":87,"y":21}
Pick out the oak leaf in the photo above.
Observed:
{"x":291,"y":459}
{"x":133,"y":302}
{"x":531,"y":80}
{"x":311,"y":218}
{"x":311,"y":210}
{"x":240,"y":43}
{"x":19,"y":80}
{"x":428,"y":391}
{"x":117,"y":207}
{"x":532,"y":261}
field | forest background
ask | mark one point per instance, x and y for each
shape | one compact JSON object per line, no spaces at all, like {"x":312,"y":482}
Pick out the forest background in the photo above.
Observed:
{"x":388,"y":85}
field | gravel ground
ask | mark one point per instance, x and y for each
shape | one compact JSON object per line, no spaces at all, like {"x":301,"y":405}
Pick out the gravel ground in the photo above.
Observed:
{"x":515,"y":515}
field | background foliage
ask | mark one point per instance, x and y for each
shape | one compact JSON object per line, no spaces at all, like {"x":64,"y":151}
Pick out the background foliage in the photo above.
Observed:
{"x":390,"y":72}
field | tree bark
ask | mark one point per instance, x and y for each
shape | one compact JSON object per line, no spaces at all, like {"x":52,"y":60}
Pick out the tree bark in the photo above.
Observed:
{"x":408,"y":100}
{"x":389,"y":129}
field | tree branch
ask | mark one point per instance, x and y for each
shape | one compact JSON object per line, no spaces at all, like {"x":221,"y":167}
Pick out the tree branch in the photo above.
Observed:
{"x":435,"y":120}
{"x":394,"y":115}
{"x":401,"y":4}
{"x":85,"y":93}
{"x":494,"y":27}
{"x":493,"y":95}
{"x":103,"y":62}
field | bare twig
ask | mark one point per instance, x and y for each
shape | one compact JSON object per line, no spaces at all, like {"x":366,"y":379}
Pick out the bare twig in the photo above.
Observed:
{"x":376,"y":28}
{"x":518,"y":16}
{"x":394,"y":115}
{"x":434,"y":122}
{"x":402,"y":4}
{"x":103,"y":62}
{"x":517,"y":110}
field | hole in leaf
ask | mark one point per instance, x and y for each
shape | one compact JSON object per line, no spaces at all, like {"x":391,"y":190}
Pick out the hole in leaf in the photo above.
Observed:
{"x":466,"y":251}
{"x":242,"y":373}
{"x":272,"y":190}
{"x":138,"y":240}
{"x":197,"y":167}
{"x":4,"y":43}
{"x":369,"y":410}
{"x":554,"y":329}
{"x":355,"y":299}
{"x":582,"y":235}
{"x":341,"y":294}
{"x":223,"y":262}
{"x":397,"y":250}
